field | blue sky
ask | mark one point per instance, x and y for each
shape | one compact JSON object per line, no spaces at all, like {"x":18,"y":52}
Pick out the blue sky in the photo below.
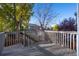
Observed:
{"x":64,"y":10}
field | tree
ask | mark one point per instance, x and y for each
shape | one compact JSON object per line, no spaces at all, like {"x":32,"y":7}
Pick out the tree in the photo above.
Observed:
{"x":15,"y":15}
{"x":23,"y":13}
{"x":67,"y":24}
{"x":5,"y":14}
{"x":45,"y":15}
{"x":55,"y":27}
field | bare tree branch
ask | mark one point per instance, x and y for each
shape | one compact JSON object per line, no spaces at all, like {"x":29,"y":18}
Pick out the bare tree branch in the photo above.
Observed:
{"x":45,"y":16}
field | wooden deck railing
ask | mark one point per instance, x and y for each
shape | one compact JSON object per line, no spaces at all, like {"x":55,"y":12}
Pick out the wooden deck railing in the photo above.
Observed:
{"x":11,"y":38}
{"x":64,"y":38}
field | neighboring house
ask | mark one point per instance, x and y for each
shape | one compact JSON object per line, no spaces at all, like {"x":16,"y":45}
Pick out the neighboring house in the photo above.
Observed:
{"x":34,"y":27}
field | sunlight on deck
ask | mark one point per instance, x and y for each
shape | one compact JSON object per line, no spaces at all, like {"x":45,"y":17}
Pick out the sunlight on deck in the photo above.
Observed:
{"x":38,"y":50}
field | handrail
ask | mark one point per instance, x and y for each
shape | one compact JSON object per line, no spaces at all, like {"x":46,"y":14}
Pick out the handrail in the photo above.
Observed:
{"x":73,"y":32}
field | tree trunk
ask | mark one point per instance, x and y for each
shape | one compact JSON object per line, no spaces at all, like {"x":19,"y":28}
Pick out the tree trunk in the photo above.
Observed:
{"x":16,"y":23}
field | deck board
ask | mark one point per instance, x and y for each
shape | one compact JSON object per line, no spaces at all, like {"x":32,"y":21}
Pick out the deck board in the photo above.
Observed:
{"x":38,"y":50}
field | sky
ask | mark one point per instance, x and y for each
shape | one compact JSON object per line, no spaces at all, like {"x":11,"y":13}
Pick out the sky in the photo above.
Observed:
{"x":64,"y":10}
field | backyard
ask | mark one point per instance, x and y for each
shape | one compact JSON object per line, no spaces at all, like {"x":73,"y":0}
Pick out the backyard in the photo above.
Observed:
{"x":38,"y":29}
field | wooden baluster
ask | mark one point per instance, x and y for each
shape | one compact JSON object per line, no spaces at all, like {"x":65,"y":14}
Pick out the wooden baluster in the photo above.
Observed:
{"x":5,"y":40}
{"x":60,"y":38}
{"x":73,"y":42}
{"x":56,"y":38}
{"x":70,"y":41}
{"x":13,"y":39}
{"x":16,"y":37}
{"x":28,"y":41}
{"x":25,"y":39}
{"x":76,"y":42}
{"x":19,"y":38}
{"x":63,"y":39}
{"x":8,"y":39}
{"x":67,"y":40}
{"x":23,"y":42}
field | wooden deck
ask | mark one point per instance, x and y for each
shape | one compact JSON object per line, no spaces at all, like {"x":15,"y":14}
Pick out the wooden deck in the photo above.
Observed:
{"x":38,"y":50}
